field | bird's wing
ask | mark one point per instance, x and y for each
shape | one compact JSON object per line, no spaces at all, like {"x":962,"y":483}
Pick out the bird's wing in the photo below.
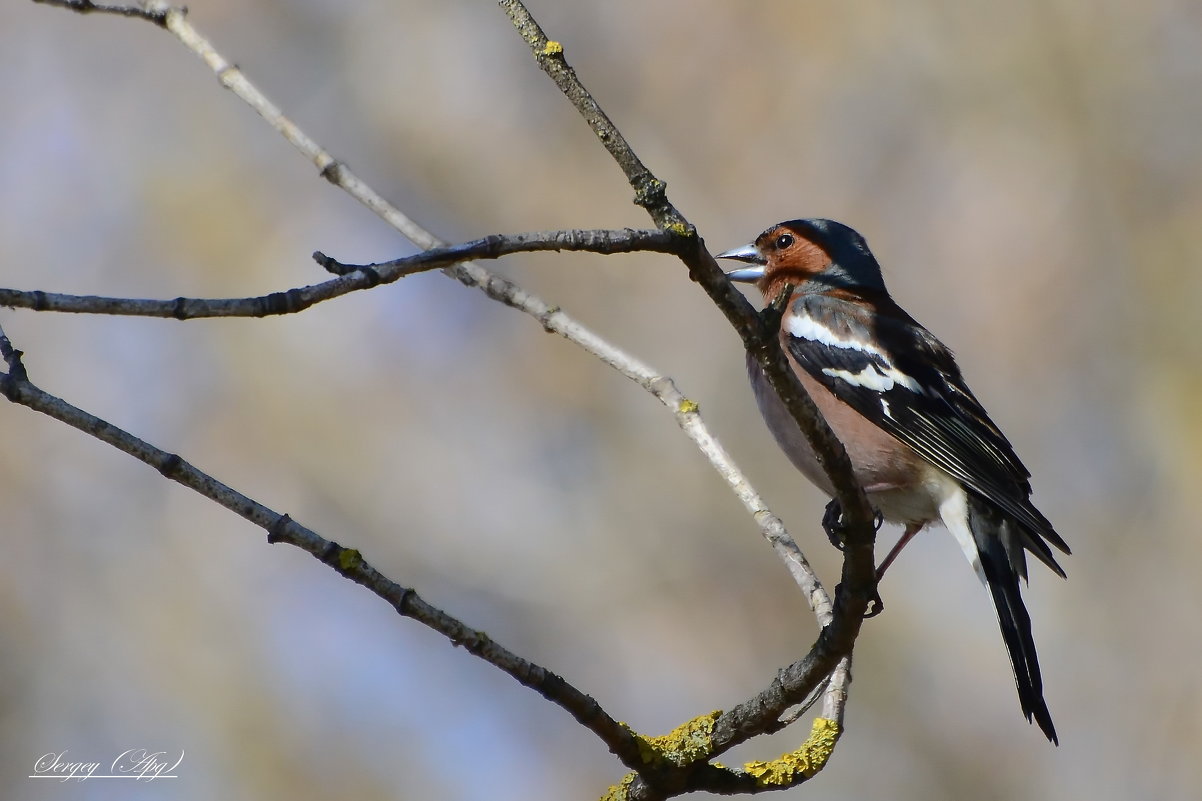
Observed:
{"x":898,"y":375}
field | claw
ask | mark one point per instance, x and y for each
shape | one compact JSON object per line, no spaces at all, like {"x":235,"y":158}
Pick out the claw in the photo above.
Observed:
{"x":832,"y":524}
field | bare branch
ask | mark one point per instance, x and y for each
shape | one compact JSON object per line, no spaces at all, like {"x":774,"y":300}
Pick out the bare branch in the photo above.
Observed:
{"x":348,"y":562}
{"x":351,"y":277}
{"x":838,"y":637}
{"x":760,"y":339}
{"x":145,"y":11}
{"x":759,"y":336}
{"x":552,"y":318}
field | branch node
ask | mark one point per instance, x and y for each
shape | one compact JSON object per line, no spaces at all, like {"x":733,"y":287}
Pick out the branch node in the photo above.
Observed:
{"x":349,"y":559}
{"x":371,"y":274}
{"x":332,"y":172}
{"x":651,"y":194}
{"x":16,"y":367}
{"x":681,"y":229}
{"x":157,"y":11}
{"x":278,"y":529}
{"x":170,"y":466}
{"x":492,"y":245}
{"x":406,"y":594}
{"x":545,"y":318}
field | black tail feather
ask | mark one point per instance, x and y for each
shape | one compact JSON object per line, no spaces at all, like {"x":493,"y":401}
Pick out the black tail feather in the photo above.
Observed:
{"x":999,"y":545}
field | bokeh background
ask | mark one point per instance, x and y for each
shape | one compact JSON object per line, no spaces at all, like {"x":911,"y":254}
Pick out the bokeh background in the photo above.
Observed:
{"x":1029,"y":173}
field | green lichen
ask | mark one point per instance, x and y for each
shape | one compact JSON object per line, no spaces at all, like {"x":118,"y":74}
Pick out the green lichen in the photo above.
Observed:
{"x":683,"y":745}
{"x":687,"y":406}
{"x":650,"y":193}
{"x":349,"y":558}
{"x":621,"y":790}
{"x":805,"y":762}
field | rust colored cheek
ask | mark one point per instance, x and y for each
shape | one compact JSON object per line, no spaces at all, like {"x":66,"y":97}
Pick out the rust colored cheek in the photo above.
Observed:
{"x":804,"y":256}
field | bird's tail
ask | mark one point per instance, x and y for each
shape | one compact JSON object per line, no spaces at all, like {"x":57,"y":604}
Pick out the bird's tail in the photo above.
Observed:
{"x":1003,"y":560}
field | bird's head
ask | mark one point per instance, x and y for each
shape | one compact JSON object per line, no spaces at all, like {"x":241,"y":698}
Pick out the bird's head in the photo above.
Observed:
{"x":814,"y":255}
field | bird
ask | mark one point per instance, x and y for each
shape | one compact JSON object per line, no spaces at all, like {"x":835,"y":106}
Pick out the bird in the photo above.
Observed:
{"x":920,"y":443}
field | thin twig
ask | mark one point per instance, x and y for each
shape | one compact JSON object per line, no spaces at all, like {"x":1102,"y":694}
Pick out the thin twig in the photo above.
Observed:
{"x":154,"y":15}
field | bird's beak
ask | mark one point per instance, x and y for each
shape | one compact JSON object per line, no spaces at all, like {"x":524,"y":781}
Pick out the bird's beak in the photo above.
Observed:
{"x":750,"y":254}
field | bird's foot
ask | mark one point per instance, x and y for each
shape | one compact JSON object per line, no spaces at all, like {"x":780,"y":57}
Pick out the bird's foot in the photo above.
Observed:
{"x":832,"y":523}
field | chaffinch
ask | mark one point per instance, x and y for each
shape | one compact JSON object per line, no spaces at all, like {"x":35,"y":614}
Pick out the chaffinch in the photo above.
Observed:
{"x":920,"y":443}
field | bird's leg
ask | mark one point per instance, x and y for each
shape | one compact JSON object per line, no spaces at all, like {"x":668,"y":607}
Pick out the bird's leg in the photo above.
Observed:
{"x":832,"y":524}
{"x":907,"y":535}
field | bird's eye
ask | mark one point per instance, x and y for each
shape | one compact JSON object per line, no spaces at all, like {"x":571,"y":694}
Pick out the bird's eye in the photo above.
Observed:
{"x":783,"y":241}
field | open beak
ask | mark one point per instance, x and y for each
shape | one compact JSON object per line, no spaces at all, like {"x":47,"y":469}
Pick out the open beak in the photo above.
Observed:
{"x":751,"y":255}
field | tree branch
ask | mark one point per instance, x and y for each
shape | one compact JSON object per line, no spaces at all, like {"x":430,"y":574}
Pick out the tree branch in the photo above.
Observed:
{"x":151,"y":12}
{"x":347,"y":562}
{"x":760,"y":339}
{"x":837,"y":639}
{"x":351,"y":277}
{"x":552,"y":318}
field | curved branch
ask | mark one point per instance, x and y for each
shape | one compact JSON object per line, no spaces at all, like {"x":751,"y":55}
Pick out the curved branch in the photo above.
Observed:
{"x":759,"y":335}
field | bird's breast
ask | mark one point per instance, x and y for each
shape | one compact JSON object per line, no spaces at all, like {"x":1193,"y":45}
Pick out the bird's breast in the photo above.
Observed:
{"x":897,"y":479}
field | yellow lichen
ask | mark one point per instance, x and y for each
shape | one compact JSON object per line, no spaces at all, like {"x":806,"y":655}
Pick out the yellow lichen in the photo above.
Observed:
{"x":552,"y":48}
{"x":687,"y":406}
{"x":683,"y":745}
{"x":621,"y":790}
{"x":349,"y":558}
{"x":679,"y":228}
{"x":805,"y":761}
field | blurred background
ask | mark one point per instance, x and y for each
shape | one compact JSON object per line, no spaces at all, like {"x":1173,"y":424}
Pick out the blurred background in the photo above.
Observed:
{"x":1029,"y":174}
